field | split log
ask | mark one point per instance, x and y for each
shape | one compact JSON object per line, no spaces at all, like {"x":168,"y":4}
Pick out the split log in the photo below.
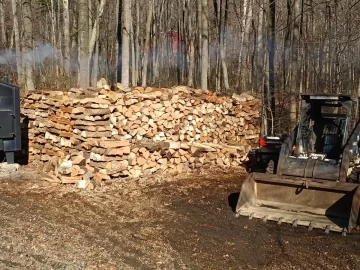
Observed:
{"x":153,"y":146}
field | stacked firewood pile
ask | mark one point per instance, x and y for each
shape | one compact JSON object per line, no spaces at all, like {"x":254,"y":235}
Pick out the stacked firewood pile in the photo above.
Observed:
{"x":101,"y":134}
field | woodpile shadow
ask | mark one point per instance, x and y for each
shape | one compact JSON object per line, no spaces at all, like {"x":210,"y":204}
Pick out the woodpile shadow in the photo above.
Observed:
{"x":232,"y":200}
{"x":22,"y":157}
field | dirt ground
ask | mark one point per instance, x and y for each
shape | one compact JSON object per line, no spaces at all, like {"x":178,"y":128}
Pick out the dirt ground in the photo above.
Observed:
{"x":182,"y":222}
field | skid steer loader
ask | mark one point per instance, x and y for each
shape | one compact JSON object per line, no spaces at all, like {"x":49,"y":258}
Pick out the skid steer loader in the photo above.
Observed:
{"x":317,"y":176}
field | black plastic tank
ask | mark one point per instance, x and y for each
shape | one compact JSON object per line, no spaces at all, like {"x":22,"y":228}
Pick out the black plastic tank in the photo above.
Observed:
{"x":10,"y":131}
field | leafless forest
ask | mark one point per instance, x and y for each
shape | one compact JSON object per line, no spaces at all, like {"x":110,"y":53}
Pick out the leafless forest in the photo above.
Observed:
{"x":272,"y":49}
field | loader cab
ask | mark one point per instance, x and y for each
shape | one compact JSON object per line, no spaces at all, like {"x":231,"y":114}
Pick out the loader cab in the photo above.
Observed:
{"x":324,"y":126}
{"x":315,"y":148}
{"x":317,"y":178}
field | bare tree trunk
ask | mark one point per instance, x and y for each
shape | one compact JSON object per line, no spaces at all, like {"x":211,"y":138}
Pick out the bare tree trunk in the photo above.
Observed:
{"x":223,"y":47}
{"x":159,"y":43}
{"x":169,"y":42}
{"x":125,"y":49}
{"x":154,"y":44}
{"x":191,"y":63}
{"x":183,"y":43}
{"x":2,"y":24}
{"x":53,"y":36}
{"x":245,"y":28}
{"x":59,"y":43}
{"x":251,"y":50}
{"x":84,"y":43}
{"x":28,"y":45}
{"x":95,"y":67}
{"x":147,"y":43}
{"x":260,"y":51}
{"x":94,"y":42}
{"x":218,"y":11}
{"x":336,"y":51}
{"x":191,"y":21}
{"x":271,"y":86}
{"x":27,"y":48}
{"x":296,"y":65}
{"x":205,"y":44}
{"x":74,"y":38}
{"x":286,"y":67}
{"x":329,"y":50}
{"x":115,"y":51}
{"x":179,"y":53}
{"x":137,"y":43}
{"x":133,"y":54}
{"x":91,"y":13}
{"x":12,"y":37}
{"x":261,"y":62}
{"x":66,"y":37}
{"x":199,"y":39}
{"x":20,"y":75}
{"x":94,"y":34}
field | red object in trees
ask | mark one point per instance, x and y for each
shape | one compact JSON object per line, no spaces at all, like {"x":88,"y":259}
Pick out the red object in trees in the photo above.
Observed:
{"x":173,"y":39}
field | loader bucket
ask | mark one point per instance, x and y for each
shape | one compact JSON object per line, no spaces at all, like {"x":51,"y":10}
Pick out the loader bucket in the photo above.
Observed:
{"x":328,"y":205}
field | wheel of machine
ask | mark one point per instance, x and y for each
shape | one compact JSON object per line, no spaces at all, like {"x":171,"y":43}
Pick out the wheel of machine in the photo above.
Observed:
{"x":270,"y":168}
{"x":354,"y":175}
